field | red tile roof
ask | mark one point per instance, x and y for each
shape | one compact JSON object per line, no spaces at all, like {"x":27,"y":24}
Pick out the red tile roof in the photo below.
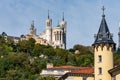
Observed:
{"x":87,"y":70}
{"x":82,"y":71}
{"x":74,"y":69}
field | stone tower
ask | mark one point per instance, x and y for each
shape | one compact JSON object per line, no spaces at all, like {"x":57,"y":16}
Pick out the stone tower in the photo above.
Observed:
{"x":52,"y":35}
{"x":59,"y":34}
{"x":49,"y":29}
{"x":32,"y":29}
{"x":103,"y":51}
{"x":64,"y":24}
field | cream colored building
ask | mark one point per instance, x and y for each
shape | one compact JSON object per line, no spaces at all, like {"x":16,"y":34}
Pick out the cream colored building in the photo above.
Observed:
{"x":103,"y":51}
{"x":81,"y":73}
{"x":69,"y":73}
{"x":54,"y":36}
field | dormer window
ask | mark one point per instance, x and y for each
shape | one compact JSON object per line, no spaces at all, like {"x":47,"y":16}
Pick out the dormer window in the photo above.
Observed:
{"x":95,"y":35}
{"x":99,"y":36}
{"x":108,"y":35}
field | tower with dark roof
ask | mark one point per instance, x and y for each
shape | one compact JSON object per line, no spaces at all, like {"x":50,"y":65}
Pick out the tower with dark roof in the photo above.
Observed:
{"x":103,"y":51}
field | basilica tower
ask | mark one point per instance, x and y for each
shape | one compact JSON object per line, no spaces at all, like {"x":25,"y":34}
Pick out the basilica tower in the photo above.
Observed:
{"x":63,"y":25}
{"x":32,"y":29}
{"x":49,"y":29}
{"x":59,"y":34}
{"x":103,"y":51}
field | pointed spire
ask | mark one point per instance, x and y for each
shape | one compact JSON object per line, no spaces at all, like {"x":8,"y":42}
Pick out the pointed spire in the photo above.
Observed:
{"x":58,"y":24}
{"x":63,"y":17}
{"x":119,"y":30}
{"x":32,"y":24}
{"x":58,"y":21}
{"x":48,"y":15}
{"x":104,"y":35}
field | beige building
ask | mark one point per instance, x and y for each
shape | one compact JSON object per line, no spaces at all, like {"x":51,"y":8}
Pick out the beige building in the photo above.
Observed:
{"x":80,"y":73}
{"x":69,"y":73}
{"x":103,"y":51}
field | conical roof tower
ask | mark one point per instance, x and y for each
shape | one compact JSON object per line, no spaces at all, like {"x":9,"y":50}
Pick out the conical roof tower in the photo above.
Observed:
{"x":103,"y":35}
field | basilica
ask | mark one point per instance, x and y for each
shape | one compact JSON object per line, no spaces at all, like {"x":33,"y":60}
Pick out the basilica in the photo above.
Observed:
{"x":53,"y":36}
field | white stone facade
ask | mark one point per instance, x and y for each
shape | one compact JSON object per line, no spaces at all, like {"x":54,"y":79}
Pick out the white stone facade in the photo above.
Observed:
{"x":54,"y":36}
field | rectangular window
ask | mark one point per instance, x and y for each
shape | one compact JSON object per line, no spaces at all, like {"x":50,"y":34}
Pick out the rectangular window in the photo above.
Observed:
{"x":99,"y":70}
{"x":99,"y":58}
{"x":84,"y":78}
{"x":114,"y":78}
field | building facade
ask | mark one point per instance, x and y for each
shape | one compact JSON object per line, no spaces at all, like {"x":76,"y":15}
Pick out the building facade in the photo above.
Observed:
{"x":69,"y":73}
{"x":54,"y":36}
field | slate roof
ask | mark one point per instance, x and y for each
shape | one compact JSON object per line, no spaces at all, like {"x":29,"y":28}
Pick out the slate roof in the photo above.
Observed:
{"x":103,"y":35}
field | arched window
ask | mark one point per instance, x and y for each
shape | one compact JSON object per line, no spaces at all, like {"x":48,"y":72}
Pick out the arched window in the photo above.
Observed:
{"x":100,"y":36}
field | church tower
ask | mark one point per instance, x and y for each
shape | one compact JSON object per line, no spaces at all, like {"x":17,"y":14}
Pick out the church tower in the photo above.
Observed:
{"x":103,"y":51}
{"x":49,"y":29}
{"x":63,"y":25}
{"x":32,"y":29}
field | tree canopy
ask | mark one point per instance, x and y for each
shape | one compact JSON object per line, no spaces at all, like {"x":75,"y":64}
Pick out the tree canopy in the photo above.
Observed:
{"x":25,"y":60}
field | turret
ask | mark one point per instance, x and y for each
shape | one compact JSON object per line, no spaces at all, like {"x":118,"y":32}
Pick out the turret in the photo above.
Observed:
{"x":49,"y":29}
{"x":63,"y":23}
{"x":64,"y":26}
{"x":48,"y":21}
{"x":103,"y":51}
{"x":32,"y":29}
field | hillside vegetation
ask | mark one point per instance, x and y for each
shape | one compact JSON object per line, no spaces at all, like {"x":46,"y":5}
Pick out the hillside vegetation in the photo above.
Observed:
{"x":25,"y":60}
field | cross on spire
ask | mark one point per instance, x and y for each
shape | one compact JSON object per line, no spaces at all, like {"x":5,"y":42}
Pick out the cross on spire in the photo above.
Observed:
{"x":103,"y":9}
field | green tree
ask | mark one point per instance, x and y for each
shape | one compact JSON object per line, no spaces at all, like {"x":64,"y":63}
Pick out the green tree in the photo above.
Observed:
{"x":26,"y":46}
{"x":47,"y":78}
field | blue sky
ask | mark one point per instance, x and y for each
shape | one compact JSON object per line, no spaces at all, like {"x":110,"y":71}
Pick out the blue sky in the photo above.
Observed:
{"x":83,"y":17}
